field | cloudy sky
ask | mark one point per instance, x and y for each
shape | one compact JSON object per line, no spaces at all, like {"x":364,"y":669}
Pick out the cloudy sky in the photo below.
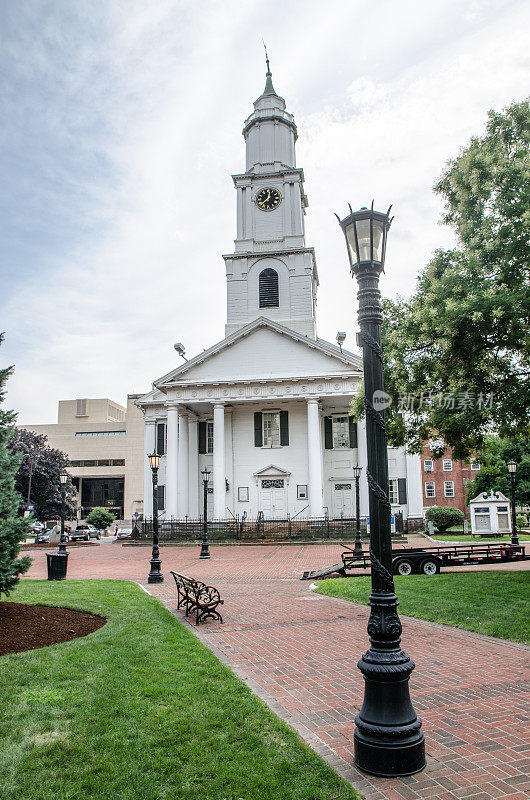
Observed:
{"x":121,"y":126}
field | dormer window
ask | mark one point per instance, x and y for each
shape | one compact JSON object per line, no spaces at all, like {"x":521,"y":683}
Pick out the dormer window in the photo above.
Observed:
{"x":269,"y":295}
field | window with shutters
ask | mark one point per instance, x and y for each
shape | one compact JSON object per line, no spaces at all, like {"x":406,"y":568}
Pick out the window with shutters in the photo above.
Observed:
{"x":209,"y":436}
{"x":393,"y":490}
{"x":271,"y":428}
{"x":161,"y":497}
{"x":269,"y":295}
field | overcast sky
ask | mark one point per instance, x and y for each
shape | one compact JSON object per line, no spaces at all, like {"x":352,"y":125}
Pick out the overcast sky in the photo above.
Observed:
{"x":121,"y":126}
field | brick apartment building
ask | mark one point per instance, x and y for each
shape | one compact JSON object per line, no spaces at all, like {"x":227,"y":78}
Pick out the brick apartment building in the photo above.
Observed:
{"x":445,"y":480}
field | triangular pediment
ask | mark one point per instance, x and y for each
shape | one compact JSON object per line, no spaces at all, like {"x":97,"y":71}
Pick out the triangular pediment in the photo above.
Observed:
{"x":492,"y":497}
{"x":263,"y":350}
{"x":272,"y":471}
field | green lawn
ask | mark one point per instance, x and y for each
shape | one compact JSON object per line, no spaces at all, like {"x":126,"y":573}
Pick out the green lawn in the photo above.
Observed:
{"x":460,"y":537}
{"x":141,"y":709}
{"x":494,"y":603}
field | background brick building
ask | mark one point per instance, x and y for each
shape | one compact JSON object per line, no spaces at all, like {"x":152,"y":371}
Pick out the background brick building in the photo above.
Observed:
{"x":444,"y":480}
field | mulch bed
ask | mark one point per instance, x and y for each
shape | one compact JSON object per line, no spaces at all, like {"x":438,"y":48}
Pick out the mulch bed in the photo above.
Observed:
{"x":26,"y":627}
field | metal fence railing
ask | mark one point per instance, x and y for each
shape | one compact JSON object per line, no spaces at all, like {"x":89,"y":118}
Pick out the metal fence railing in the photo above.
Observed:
{"x":244,"y":528}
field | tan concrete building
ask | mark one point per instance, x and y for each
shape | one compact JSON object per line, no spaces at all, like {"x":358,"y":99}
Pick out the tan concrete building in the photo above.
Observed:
{"x":104,"y":442}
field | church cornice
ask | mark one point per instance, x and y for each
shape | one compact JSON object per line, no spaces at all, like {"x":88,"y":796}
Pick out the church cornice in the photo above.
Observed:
{"x":271,"y":253}
{"x":269,"y":118}
{"x":251,"y":176}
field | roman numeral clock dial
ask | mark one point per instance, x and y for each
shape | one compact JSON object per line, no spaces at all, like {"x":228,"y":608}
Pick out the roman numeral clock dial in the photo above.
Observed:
{"x":268,"y":199}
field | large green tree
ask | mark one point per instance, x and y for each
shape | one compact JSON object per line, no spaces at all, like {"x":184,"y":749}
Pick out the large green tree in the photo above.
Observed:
{"x":458,"y":352}
{"x":494,"y":475}
{"x":38,"y":474}
{"x":13,"y":528}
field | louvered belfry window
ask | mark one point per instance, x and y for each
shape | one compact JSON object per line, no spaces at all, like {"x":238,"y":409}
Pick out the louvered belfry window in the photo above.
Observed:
{"x":269,"y":296}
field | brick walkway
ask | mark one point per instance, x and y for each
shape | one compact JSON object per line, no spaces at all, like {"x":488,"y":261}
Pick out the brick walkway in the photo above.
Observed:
{"x":298,"y":651}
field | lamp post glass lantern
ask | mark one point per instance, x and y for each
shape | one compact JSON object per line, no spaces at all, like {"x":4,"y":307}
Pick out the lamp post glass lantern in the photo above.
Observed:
{"x":358,"y":541}
{"x":512,"y":469}
{"x":63,"y":478}
{"x":388,"y":739}
{"x":205,"y":547}
{"x":155,"y":574}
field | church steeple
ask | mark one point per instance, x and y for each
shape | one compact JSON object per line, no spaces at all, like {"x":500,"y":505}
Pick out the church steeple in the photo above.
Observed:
{"x":272,"y":272}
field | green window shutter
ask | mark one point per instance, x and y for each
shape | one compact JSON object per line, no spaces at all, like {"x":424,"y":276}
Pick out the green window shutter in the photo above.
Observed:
{"x":284,"y":428}
{"x":402,"y":491}
{"x":328,"y":434}
{"x":258,"y":429}
{"x":353,"y":431}
{"x":161,"y":438}
{"x":161,"y":497}
{"x":202,"y":437}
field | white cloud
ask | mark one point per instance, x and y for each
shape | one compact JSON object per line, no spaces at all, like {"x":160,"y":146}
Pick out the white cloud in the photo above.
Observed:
{"x":148,"y":101}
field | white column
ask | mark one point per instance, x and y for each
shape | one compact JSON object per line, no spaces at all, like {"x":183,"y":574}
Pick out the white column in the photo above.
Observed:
{"x":362,"y":461}
{"x":172,"y":461}
{"x":314,"y":458}
{"x":229,"y":460}
{"x":149,"y":447}
{"x":414,"y":486}
{"x":193,"y":468}
{"x":219,"y":461}
{"x":183,"y":464}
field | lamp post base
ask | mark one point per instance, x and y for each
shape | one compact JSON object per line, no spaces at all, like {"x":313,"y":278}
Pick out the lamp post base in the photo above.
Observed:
{"x":205,"y":550}
{"x":155,"y":576}
{"x":388,"y":759}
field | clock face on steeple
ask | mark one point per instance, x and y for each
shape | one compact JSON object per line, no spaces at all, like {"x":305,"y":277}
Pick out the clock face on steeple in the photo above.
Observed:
{"x":268,"y":199}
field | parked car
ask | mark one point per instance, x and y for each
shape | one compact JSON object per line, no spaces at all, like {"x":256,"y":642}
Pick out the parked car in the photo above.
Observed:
{"x":37,"y":527}
{"x":124,"y":533}
{"x":85,"y":531}
{"x":42,"y":536}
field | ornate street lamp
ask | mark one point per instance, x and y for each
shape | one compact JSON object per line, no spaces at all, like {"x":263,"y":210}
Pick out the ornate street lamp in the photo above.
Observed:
{"x":512,"y":469}
{"x":358,"y":549}
{"x":63,"y":477}
{"x":205,"y":549}
{"x":388,"y":738}
{"x":155,"y":575}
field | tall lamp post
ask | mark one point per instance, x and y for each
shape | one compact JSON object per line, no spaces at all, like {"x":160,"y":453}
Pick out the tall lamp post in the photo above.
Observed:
{"x":358,"y":541}
{"x":63,"y":477}
{"x":155,"y":575}
{"x":388,"y":739}
{"x":512,"y":469}
{"x":205,"y":549}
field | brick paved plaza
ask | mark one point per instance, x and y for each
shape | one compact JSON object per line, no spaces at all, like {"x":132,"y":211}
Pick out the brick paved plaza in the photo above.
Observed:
{"x":298,"y":651}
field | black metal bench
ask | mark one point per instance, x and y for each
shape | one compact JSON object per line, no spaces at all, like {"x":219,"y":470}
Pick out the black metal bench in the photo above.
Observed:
{"x":197,"y":597}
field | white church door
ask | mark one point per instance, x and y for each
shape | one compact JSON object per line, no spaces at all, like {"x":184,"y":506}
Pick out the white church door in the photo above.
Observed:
{"x":273,"y":498}
{"x":343,"y":503}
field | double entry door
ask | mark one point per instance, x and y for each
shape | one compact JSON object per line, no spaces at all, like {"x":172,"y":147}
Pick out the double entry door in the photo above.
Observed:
{"x":273,"y":498}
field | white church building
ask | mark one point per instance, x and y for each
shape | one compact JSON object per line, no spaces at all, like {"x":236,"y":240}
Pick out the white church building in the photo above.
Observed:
{"x":267,"y":408}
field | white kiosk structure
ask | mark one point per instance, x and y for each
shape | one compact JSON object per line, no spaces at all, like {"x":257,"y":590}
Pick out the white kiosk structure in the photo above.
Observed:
{"x":490,"y":514}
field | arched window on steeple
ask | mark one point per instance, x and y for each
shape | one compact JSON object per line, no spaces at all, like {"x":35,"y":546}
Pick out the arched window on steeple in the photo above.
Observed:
{"x":269,"y":295}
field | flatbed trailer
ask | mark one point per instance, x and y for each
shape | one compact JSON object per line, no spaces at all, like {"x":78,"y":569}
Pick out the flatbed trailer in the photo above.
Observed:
{"x":425,"y":560}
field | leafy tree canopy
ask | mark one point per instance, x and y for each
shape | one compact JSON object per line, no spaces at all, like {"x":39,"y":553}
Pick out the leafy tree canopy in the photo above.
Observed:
{"x":13,"y":528}
{"x":100,"y":518}
{"x":458,"y":353}
{"x":494,"y":475}
{"x":45,"y":465}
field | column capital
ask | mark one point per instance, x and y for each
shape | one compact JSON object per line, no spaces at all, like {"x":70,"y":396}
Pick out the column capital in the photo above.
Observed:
{"x":313,"y":401}
{"x":149,"y":421}
{"x":171,"y":404}
{"x":218,"y":404}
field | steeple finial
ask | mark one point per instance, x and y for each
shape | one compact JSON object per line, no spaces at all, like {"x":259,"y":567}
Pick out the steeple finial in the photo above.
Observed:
{"x":269,"y":88}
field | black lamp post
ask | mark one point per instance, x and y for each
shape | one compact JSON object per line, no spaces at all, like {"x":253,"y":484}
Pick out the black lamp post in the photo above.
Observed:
{"x":358,"y":541}
{"x":205,"y":549}
{"x":512,"y":469}
{"x":63,"y":477}
{"x":155,"y":575}
{"x":388,"y":738}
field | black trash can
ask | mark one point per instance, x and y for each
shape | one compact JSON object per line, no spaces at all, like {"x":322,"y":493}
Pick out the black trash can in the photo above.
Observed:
{"x":57,"y":564}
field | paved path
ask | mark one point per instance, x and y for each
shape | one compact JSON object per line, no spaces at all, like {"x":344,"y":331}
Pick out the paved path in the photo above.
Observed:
{"x":298,"y":651}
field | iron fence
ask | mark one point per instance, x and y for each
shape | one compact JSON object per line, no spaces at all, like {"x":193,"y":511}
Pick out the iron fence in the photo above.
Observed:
{"x":246,"y":529}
